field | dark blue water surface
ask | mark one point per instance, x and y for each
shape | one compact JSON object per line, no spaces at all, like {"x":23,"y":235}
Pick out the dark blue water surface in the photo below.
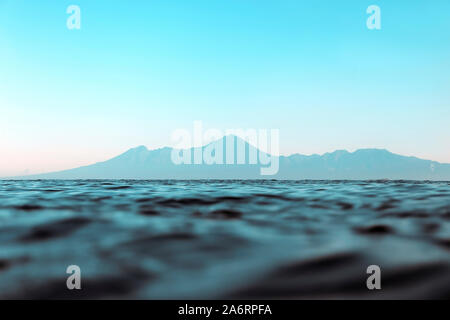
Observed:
{"x":224,"y":239}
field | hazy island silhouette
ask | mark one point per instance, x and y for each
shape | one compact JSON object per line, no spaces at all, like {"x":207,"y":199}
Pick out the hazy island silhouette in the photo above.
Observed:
{"x":363,"y":164}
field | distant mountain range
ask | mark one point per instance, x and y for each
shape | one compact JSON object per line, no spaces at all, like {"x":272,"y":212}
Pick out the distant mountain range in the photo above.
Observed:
{"x":363,"y":164}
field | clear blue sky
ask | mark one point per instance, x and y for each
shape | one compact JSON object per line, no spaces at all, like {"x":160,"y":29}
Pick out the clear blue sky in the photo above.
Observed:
{"x":138,"y":70}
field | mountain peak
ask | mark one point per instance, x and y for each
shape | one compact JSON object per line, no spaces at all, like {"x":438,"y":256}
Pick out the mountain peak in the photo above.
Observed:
{"x":372,"y":150}
{"x":140,"y":148}
{"x":134,"y":152}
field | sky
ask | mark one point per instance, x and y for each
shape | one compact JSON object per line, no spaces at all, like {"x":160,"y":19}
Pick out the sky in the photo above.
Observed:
{"x":136,"y":71}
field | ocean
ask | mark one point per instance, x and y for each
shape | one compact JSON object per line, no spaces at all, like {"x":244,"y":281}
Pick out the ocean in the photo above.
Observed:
{"x":262,"y":239}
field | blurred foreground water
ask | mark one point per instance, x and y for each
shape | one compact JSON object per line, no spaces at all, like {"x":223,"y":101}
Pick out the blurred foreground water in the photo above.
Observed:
{"x":224,"y":239}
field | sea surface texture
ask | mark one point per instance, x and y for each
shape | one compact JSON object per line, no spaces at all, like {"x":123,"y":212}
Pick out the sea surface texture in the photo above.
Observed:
{"x":224,"y":239}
